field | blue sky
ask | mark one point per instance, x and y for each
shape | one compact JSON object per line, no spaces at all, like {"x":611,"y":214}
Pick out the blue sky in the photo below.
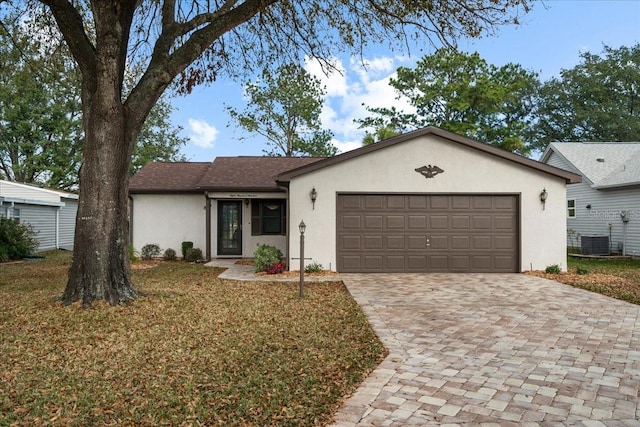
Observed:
{"x":549,"y":39}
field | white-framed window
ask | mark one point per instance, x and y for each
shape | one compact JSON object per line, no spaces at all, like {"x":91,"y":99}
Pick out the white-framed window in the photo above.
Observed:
{"x":571,"y":208}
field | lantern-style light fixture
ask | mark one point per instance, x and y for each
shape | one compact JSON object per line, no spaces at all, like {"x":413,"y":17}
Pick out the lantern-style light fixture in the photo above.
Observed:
{"x":543,"y":197}
{"x":313,"y":196}
{"x":302,"y":227}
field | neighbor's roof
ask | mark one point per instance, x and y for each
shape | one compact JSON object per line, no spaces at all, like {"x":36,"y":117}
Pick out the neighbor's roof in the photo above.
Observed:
{"x":605,"y":164}
{"x":223,"y":174}
{"x":569,"y":177}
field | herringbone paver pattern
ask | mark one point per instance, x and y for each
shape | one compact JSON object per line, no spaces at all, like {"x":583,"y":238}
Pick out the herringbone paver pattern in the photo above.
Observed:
{"x":495,"y":350}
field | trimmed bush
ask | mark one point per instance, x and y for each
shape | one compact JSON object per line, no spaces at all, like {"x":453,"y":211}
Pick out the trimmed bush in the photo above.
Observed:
{"x":169,"y":255}
{"x":314,"y":267}
{"x":133,"y":254}
{"x":150,"y":250}
{"x":185,"y":247}
{"x":552,"y":269}
{"x":16,"y":240}
{"x":193,"y":255}
{"x":265,"y":257}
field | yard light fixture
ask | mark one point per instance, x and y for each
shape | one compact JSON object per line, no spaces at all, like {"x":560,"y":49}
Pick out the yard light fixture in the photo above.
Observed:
{"x":543,"y":197}
{"x":302,"y":227}
{"x":313,"y":195}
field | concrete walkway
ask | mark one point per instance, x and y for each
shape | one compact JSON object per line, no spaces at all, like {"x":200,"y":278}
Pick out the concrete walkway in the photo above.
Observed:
{"x":495,"y":350}
{"x":245,"y":272}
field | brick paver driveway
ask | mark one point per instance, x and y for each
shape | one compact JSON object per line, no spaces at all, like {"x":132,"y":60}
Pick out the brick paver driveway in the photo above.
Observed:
{"x":495,"y":349}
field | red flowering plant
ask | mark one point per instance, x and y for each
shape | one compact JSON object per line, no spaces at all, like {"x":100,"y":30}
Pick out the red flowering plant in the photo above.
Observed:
{"x":276,"y":268}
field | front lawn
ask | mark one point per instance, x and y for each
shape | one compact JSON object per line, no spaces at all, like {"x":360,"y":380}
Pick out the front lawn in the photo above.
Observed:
{"x":195,"y":351}
{"x":612,"y":277}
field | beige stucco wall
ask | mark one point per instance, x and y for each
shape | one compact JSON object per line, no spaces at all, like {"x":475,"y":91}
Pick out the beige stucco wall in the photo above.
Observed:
{"x":169,"y":220}
{"x":466,"y":170}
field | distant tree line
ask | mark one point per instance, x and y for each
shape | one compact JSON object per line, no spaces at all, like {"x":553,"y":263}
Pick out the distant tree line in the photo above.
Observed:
{"x":509,"y":107}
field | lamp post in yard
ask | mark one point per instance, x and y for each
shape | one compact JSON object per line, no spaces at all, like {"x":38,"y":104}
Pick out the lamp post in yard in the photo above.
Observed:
{"x":302,"y":227}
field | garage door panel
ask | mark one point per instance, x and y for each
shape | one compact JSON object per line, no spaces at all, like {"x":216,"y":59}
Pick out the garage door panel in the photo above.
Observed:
{"x":417,"y":242}
{"x":352,"y":242}
{"x":396,"y":202}
{"x":439,"y":222}
{"x":395,"y":242}
{"x":373,"y":242}
{"x":374,"y":202}
{"x":390,"y":232}
{"x":351,"y":222}
{"x":460,"y":222}
{"x":504,"y":222}
{"x":504,"y":242}
{"x":373,"y":262}
{"x":461,"y":202}
{"x":396,"y":263}
{"x":437,"y":242}
{"x":481,"y":222}
{"x":460,"y":242}
{"x":417,"y":202}
{"x":417,"y":222}
{"x":374,"y":222}
{"x":460,"y":263}
{"x":396,"y":222}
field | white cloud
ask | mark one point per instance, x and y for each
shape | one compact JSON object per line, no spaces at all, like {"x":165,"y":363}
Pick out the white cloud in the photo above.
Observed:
{"x":202,"y":133}
{"x":365,"y":83}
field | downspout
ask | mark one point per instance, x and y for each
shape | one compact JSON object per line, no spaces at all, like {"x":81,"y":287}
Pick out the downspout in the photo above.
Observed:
{"x":130,"y":220}
{"x":207,"y":225}
{"x":58,"y":227}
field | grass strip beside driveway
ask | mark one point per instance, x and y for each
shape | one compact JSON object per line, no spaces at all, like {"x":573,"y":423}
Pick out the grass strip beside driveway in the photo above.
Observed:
{"x":196,"y":350}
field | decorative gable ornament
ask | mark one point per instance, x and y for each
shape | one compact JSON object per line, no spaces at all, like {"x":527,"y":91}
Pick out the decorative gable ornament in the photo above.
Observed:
{"x":429,"y":171}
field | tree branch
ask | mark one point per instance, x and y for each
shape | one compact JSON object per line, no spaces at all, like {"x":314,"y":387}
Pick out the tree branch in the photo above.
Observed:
{"x":70,"y":24}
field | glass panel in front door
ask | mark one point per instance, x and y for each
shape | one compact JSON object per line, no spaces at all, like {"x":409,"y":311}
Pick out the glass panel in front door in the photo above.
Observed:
{"x":230,"y":228}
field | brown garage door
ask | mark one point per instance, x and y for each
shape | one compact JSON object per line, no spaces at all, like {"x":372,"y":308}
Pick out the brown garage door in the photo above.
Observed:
{"x":433,"y":233}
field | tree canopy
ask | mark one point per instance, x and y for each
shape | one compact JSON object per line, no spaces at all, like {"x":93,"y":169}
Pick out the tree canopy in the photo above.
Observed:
{"x":284,"y":107}
{"x":41,"y":136}
{"x":191,"y":42}
{"x":464,"y":94}
{"x":597,"y":100}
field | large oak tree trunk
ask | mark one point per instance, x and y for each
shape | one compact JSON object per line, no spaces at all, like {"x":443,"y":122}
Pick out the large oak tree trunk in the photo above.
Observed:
{"x":100,"y":268}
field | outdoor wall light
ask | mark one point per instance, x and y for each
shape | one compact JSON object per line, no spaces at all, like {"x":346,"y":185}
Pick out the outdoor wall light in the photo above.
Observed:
{"x":313,"y":196}
{"x":543,"y":197}
{"x":246,"y":202}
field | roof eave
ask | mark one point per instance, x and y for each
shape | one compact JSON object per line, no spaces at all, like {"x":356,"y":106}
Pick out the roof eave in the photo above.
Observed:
{"x":569,"y":177}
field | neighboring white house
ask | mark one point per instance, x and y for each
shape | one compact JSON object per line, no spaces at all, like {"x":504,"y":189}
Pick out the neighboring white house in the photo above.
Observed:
{"x":50,"y":213}
{"x":607,"y":202}
{"x":429,"y":200}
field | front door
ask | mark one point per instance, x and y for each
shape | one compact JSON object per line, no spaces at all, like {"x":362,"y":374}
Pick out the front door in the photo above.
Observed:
{"x":229,"y":228}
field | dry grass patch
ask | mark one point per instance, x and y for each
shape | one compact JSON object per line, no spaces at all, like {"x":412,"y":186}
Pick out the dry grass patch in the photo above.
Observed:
{"x":615,"y":278}
{"x":196,"y":350}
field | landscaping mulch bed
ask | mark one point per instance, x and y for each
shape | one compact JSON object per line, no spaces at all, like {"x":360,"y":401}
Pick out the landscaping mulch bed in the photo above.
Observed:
{"x":612,"y":277}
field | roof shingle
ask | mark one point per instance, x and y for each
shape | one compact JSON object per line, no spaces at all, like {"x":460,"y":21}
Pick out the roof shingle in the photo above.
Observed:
{"x":163,"y":177}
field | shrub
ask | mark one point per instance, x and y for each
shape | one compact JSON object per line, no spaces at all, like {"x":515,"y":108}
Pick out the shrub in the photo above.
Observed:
{"x":582,"y":271}
{"x":16,"y":240}
{"x":185,"y":247}
{"x":169,"y":255}
{"x":314,"y":267}
{"x":276,"y":268}
{"x":265,"y":257}
{"x":552,"y":269}
{"x":150,"y":250}
{"x":133,"y":254}
{"x":193,"y":255}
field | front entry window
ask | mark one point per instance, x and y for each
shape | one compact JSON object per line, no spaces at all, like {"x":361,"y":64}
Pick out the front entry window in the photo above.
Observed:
{"x":268,"y":217}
